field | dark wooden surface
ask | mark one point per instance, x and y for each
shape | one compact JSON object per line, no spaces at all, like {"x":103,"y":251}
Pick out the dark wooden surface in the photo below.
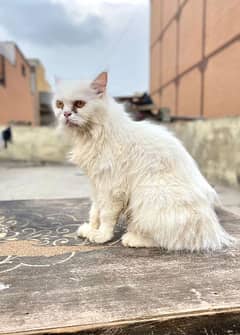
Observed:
{"x":51,"y":281}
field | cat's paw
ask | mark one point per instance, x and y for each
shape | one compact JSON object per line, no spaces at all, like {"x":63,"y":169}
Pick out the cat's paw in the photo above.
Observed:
{"x":94,"y":235}
{"x":98,"y":236}
{"x":132,"y":240}
{"x":128,"y":240}
{"x":84,"y":230}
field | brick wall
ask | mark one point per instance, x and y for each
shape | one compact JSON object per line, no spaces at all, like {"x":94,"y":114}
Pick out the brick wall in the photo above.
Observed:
{"x":195,"y":57}
{"x":17,"y":101}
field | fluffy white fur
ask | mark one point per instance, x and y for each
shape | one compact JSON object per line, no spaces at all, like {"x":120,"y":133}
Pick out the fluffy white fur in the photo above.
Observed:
{"x":140,"y":170}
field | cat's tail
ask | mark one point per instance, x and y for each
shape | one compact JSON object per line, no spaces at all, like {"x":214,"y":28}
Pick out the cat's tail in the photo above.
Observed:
{"x":194,"y":230}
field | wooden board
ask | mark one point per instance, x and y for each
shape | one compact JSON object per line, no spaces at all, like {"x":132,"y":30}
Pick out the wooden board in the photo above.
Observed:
{"x":53,"y":282}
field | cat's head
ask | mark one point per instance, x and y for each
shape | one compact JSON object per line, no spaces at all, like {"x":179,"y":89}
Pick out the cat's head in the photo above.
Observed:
{"x":75,"y":103}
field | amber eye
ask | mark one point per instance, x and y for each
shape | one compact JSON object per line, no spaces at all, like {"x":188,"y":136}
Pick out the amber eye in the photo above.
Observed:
{"x":59,"y":104}
{"x":79,"y":103}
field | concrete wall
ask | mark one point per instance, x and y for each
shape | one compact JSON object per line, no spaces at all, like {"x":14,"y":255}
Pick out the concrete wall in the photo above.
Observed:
{"x":215,"y":144}
{"x":195,"y":52}
{"x":36,"y":144}
{"x":17,"y":101}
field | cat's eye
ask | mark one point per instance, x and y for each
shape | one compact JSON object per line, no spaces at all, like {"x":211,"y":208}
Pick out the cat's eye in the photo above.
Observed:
{"x":79,"y":103}
{"x":59,"y":104}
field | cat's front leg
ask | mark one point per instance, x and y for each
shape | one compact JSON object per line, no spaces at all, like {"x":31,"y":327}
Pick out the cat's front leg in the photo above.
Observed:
{"x":85,"y":230}
{"x":108,"y":217}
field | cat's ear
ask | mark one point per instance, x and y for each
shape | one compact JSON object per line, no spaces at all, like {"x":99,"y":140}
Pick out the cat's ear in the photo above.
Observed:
{"x":100,"y":83}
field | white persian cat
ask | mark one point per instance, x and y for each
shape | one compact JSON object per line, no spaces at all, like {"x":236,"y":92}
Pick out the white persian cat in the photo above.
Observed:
{"x":138,"y":169}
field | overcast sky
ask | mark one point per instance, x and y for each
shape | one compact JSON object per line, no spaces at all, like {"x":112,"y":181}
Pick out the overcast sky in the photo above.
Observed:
{"x":76,"y":39}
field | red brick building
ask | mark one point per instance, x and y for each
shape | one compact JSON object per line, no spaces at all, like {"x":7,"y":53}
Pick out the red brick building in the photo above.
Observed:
{"x":18,"y":96}
{"x":195,"y":57}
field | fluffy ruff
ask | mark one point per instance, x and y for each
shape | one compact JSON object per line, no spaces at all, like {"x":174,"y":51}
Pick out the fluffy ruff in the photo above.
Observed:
{"x":143,"y":171}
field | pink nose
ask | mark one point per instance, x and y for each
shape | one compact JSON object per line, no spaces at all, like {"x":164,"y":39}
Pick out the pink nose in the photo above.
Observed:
{"x":67,"y":114}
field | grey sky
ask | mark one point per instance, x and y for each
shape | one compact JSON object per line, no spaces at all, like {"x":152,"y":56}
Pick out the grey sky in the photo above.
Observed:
{"x":78,"y":38}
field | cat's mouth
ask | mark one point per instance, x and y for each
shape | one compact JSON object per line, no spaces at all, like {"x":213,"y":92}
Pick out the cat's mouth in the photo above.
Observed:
{"x":69,"y":123}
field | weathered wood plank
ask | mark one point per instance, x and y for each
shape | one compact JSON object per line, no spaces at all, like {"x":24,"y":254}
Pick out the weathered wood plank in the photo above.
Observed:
{"x":52,"y":282}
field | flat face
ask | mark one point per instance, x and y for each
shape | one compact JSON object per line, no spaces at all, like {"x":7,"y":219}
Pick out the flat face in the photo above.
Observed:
{"x":50,"y":279}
